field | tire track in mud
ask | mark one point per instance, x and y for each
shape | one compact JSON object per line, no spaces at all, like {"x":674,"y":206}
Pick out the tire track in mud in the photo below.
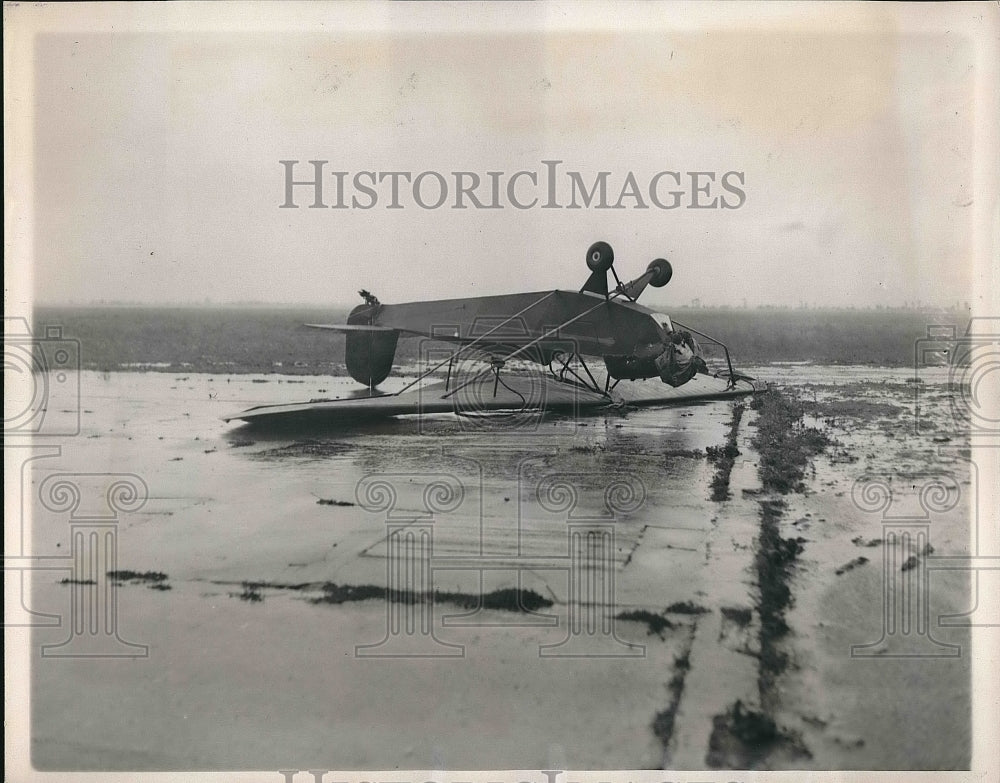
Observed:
{"x":713,"y":663}
{"x":724,"y":693}
{"x":724,"y":457}
{"x":663,"y":722}
{"x":743,"y":737}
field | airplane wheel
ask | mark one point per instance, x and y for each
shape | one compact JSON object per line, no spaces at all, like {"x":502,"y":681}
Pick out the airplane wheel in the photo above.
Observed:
{"x":662,"y":272}
{"x":600,"y":257}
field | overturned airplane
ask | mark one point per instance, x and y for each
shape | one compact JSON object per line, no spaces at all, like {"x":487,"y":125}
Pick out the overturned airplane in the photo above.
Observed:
{"x":557,"y":330}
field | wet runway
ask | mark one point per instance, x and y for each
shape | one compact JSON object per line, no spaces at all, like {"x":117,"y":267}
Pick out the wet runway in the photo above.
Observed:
{"x":591,"y":518}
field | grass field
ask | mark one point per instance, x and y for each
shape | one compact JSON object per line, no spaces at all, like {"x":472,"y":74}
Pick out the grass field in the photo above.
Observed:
{"x":272,"y":339}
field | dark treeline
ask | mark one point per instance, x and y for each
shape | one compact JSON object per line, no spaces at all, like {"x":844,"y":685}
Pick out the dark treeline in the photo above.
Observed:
{"x":257,"y":339}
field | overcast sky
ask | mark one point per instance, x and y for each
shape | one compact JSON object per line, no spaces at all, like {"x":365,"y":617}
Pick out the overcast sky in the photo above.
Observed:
{"x":157,"y":174}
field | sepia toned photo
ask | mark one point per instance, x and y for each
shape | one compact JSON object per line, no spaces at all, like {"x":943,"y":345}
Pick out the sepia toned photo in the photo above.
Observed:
{"x":531,"y":391}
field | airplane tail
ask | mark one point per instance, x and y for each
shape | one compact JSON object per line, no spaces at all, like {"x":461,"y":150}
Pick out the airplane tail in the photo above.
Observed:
{"x":370,"y":348}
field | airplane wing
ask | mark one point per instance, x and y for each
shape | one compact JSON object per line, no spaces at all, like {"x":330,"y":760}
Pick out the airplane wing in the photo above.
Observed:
{"x":351,"y":327}
{"x":516,"y":393}
{"x":582,"y":323}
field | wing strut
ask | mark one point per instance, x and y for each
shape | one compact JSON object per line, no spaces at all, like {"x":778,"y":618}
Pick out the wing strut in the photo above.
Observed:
{"x":621,"y":291}
{"x":534,"y":342}
{"x":451,"y":359}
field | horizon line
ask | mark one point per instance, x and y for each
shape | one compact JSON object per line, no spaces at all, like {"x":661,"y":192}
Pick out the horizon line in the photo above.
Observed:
{"x":690,"y":305}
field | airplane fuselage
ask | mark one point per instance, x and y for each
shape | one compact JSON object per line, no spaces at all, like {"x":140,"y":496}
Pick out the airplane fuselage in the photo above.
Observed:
{"x":568,"y":321}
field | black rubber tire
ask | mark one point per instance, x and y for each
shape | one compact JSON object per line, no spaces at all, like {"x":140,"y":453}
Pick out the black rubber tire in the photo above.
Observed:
{"x":600,"y":257}
{"x":662,"y":272}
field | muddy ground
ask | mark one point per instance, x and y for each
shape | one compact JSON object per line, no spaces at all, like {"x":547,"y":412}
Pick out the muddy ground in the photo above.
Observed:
{"x":637,"y":589}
